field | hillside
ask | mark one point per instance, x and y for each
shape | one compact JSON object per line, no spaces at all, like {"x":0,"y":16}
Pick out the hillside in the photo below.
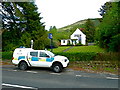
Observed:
{"x":79,"y":24}
{"x":69,"y":27}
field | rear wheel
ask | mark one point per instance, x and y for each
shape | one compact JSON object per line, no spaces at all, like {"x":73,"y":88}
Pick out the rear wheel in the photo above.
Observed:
{"x":57,"y":67}
{"x":23,"y":66}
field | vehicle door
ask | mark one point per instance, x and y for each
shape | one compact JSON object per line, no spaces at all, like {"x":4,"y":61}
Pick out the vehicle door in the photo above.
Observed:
{"x":43,"y":59}
{"x":33,"y":58}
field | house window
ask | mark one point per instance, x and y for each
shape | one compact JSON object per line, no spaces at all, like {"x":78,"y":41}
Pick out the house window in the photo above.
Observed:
{"x":76,"y":35}
{"x":63,"y":41}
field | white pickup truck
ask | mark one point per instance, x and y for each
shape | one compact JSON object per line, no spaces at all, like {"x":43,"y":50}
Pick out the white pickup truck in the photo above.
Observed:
{"x":28,"y":57}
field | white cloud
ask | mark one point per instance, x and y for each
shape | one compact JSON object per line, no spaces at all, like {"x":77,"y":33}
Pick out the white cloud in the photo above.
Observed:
{"x":60,"y":13}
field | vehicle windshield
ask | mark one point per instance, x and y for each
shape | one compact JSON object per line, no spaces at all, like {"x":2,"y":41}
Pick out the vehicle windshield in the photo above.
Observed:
{"x":51,"y":54}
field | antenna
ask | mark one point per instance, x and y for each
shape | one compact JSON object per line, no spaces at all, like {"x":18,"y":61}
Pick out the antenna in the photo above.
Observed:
{"x":31,"y":43}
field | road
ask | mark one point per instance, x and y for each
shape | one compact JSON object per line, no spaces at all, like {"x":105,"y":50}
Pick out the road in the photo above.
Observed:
{"x":44,"y":78}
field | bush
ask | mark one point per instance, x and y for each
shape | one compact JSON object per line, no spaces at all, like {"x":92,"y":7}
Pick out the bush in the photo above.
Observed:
{"x":7,"y":55}
{"x":90,"y":56}
{"x":83,"y":56}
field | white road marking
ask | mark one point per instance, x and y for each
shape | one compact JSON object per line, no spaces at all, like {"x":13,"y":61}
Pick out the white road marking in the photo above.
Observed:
{"x":14,"y":70}
{"x":18,"y":86}
{"x":31,"y":71}
{"x":111,"y":78}
{"x":78,"y":75}
{"x":55,"y":73}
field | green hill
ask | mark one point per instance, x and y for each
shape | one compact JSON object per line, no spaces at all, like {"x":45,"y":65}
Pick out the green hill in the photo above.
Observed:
{"x":79,"y":24}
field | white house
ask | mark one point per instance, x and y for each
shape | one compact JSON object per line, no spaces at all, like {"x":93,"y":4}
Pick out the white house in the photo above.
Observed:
{"x":77,"y":37}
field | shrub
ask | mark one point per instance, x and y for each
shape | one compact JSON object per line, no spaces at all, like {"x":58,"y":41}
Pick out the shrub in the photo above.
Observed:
{"x":83,"y":56}
{"x":7,"y":55}
{"x":90,"y":56}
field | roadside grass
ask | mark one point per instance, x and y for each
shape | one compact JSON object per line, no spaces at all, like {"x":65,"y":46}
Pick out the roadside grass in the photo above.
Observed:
{"x":86,"y":49}
{"x":95,"y":66}
{"x":76,"y":49}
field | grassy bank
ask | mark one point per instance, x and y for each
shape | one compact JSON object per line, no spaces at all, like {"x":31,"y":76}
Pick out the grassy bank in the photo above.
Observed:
{"x":96,"y":66}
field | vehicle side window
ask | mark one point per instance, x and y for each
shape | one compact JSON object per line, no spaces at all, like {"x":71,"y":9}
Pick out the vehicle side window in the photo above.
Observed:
{"x":43,"y":54}
{"x":34,"y":54}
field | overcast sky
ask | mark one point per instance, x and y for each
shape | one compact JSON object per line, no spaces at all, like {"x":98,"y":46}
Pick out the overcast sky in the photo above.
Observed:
{"x":61,"y":13}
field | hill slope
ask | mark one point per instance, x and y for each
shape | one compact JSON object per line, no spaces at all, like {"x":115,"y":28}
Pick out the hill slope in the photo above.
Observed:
{"x":80,"y":24}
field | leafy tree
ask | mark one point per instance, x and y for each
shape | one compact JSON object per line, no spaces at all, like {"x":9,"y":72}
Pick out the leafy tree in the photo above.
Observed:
{"x":89,"y":30}
{"x":107,"y":32}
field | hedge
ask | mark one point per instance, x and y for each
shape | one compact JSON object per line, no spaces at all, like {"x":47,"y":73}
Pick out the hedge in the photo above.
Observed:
{"x":83,"y":56}
{"x":7,"y":55}
{"x":88,"y":56}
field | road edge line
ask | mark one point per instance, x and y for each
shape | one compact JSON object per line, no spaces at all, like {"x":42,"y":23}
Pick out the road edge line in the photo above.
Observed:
{"x":18,"y":86}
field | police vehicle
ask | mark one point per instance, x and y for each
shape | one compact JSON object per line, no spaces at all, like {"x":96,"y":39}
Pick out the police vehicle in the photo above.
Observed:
{"x":28,"y":57}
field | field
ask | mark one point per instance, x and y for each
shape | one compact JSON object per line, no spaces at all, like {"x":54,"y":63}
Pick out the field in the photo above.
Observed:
{"x":79,"y":49}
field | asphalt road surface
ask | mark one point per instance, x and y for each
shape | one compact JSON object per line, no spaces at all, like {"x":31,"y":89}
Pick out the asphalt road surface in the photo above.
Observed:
{"x":36,"y":78}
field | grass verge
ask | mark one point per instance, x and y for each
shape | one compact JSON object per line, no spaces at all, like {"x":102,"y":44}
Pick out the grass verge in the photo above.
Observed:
{"x":95,"y":66}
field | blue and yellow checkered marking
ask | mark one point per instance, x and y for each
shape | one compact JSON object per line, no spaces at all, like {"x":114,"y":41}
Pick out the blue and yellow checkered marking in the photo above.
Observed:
{"x":44,"y":60}
{"x":21,"y":57}
{"x":49,"y":59}
{"x":36,"y":59}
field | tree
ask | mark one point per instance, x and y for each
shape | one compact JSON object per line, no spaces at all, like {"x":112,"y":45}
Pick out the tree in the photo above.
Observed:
{"x":21,"y":22}
{"x":10,"y":23}
{"x":104,"y":8}
{"x":89,"y":30}
{"x":33,"y":25}
{"x":107,"y":33}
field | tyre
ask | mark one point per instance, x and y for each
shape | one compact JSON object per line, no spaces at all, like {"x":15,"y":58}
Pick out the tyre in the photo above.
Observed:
{"x":57,"y":67}
{"x":23,"y":66}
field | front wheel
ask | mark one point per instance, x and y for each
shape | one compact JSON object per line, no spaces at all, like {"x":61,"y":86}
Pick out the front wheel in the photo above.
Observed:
{"x":23,"y":66}
{"x":57,"y":67}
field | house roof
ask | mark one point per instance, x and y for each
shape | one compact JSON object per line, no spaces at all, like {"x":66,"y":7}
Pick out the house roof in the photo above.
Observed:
{"x":78,"y":31}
